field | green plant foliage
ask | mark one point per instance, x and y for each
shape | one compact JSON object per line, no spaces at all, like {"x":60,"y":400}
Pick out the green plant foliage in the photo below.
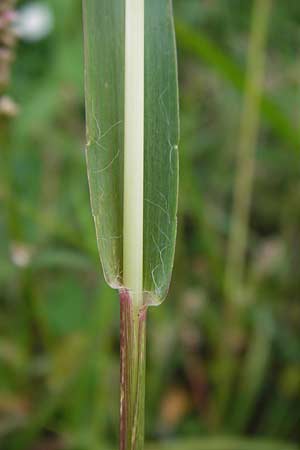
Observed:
{"x":104,"y":55}
{"x":222,"y":443}
{"x":161,"y":147}
{"x":104,"y":32}
{"x":59,"y":326}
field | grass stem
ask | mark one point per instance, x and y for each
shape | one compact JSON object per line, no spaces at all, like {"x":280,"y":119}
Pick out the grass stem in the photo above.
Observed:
{"x":249,"y":129}
{"x":242,"y":196}
{"x":132,"y":347}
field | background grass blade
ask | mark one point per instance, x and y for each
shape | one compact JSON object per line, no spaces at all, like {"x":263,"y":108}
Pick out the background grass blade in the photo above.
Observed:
{"x":222,"y":444}
{"x":246,"y":151}
{"x":203,"y":48}
{"x":243,"y":187}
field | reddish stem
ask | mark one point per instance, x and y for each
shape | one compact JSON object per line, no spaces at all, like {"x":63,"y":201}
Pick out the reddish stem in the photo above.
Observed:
{"x":132,"y":373}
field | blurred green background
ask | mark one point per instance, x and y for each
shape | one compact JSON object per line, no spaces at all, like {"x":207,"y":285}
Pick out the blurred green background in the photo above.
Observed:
{"x":224,"y":349}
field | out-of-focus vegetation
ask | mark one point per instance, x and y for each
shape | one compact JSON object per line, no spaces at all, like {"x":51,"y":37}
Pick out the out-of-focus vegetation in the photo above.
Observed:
{"x":224,"y":349}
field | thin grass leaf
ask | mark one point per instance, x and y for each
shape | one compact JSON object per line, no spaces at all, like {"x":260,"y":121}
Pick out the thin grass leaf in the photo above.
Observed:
{"x":237,"y":242}
{"x":203,"y":48}
{"x":253,"y":373}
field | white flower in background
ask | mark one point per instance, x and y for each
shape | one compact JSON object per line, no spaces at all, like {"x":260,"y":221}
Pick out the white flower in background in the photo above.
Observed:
{"x":34,"y":22}
{"x":20,"y":254}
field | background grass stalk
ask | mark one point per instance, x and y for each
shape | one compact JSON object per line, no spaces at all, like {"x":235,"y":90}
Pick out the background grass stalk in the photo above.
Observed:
{"x":243,"y":187}
{"x":249,"y":129}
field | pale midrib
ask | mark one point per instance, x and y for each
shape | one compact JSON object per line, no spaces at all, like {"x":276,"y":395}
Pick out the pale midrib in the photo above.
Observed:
{"x":134,"y":149}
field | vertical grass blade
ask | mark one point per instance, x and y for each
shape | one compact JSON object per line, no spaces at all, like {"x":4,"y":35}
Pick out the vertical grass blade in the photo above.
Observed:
{"x":247,"y":141}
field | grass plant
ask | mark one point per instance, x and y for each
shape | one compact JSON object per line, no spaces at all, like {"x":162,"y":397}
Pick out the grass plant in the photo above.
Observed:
{"x":132,"y":158}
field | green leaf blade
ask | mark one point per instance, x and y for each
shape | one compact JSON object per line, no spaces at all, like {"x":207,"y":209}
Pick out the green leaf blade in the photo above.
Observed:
{"x":104,"y":25}
{"x":161,"y":148}
{"x":104,"y":86}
